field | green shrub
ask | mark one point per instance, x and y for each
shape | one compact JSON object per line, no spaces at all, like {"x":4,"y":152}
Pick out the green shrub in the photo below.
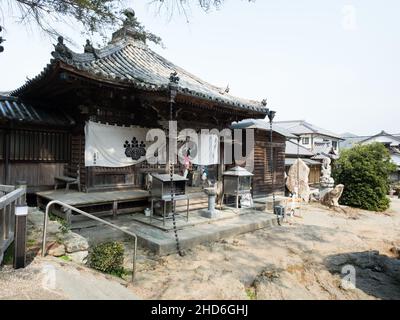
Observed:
{"x":108,"y":257}
{"x":364,"y":171}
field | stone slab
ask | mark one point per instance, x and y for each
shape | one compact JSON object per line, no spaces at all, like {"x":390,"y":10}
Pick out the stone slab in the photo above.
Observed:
{"x":163,"y":242}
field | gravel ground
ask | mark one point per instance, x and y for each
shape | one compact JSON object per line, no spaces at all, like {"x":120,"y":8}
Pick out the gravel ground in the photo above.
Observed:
{"x":53,"y":279}
{"x":303,"y":259}
{"x":299,"y":260}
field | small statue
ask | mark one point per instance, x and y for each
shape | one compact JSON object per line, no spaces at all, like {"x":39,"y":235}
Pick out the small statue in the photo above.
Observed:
{"x":326,"y":180}
{"x":88,"y":48}
{"x":264,"y":102}
{"x":130,"y":19}
{"x":61,"y":50}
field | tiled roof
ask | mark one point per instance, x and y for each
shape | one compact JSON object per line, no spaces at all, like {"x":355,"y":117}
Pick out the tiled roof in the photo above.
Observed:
{"x":12,"y":108}
{"x":292,"y":148}
{"x":351,"y":141}
{"x":394,"y":140}
{"x":262,"y":125}
{"x":290,"y":161}
{"x":303,"y":127}
{"x":131,"y":62}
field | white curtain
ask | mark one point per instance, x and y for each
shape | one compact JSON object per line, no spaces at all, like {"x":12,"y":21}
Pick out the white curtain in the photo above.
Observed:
{"x":207,"y":150}
{"x":114,"y":146}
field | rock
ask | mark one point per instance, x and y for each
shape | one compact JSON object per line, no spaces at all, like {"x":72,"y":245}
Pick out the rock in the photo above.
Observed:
{"x":298,"y":178}
{"x":331,"y":198}
{"x":74,"y":242}
{"x":79,"y":257}
{"x":218,"y":190}
{"x":35,"y":218}
{"x":56,"y":249}
{"x":53,"y":228}
{"x":314,"y":195}
{"x":396,"y":251}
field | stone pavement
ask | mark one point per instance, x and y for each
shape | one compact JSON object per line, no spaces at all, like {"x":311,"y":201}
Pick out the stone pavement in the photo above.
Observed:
{"x":163,"y":242}
{"x":53,"y":279}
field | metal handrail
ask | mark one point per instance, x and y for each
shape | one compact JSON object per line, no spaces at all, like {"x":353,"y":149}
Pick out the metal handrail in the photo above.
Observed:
{"x":46,"y":218}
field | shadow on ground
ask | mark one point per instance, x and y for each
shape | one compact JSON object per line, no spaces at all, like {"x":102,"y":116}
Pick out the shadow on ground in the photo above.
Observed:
{"x":375,"y":274}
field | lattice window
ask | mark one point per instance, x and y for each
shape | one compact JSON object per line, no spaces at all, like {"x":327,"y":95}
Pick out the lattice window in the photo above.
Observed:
{"x":26,"y":145}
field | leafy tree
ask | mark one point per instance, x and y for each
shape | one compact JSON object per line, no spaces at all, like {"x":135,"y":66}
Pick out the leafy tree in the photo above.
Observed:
{"x":95,"y":15}
{"x":364,"y":171}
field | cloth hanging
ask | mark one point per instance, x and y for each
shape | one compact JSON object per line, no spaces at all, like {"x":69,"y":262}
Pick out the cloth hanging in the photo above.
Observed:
{"x":207,"y":150}
{"x":114,"y":146}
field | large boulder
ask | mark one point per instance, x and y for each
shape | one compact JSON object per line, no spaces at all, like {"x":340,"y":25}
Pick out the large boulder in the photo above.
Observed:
{"x":74,"y":242}
{"x":331,"y":197}
{"x":298,"y":178}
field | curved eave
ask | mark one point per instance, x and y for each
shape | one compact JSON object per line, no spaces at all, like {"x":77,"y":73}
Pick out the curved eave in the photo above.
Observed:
{"x":56,"y":67}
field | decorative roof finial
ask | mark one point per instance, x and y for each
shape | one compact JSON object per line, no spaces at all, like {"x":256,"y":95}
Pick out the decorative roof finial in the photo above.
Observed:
{"x":61,"y":50}
{"x":130,"y":19}
{"x":88,"y":48}
{"x":227,"y":89}
{"x":264,"y":102}
{"x":132,"y":29}
{"x":173,"y":78}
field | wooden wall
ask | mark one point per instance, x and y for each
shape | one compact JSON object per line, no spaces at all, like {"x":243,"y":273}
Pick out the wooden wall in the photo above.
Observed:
{"x":78,"y":156}
{"x":315,"y":174}
{"x":39,"y":176}
{"x":262,"y":179}
{"x":35,"y":155}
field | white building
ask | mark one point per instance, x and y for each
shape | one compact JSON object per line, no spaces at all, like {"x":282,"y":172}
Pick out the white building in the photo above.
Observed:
{"x":391,"y":141}
{"x":319,"y":141}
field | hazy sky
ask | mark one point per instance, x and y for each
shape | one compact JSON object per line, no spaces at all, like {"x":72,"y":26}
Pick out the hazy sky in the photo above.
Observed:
{"x":333,"y":63}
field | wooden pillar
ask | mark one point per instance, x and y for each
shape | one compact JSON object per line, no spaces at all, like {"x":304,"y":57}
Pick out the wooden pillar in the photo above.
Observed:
{"x":7,"y":221}
{"x":221,"y":167}
{"x":3,"y":213}
{"x":115,"y":209}
{"x":6,"y":155}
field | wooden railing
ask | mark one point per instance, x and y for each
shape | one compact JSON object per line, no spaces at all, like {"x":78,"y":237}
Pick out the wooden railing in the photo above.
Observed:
{"x":9,"y":197}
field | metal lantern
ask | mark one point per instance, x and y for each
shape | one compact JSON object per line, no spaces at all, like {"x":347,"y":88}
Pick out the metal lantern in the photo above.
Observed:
{"x":237,"y":182}
{"x":161,"y":185}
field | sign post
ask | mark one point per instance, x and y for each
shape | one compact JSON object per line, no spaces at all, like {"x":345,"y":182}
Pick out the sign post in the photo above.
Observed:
{"x":21,"y":213}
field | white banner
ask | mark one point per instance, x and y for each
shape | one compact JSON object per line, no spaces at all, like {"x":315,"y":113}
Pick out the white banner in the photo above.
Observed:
{"x":207,"y":152}
{"x":114,"y":146}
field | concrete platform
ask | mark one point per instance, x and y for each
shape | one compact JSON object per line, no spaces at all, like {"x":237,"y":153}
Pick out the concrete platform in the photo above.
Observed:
{"x":79,"y":199}
{"x":266,"y":203}
{"x":111,"y":203}
{"x":162,"y":242}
